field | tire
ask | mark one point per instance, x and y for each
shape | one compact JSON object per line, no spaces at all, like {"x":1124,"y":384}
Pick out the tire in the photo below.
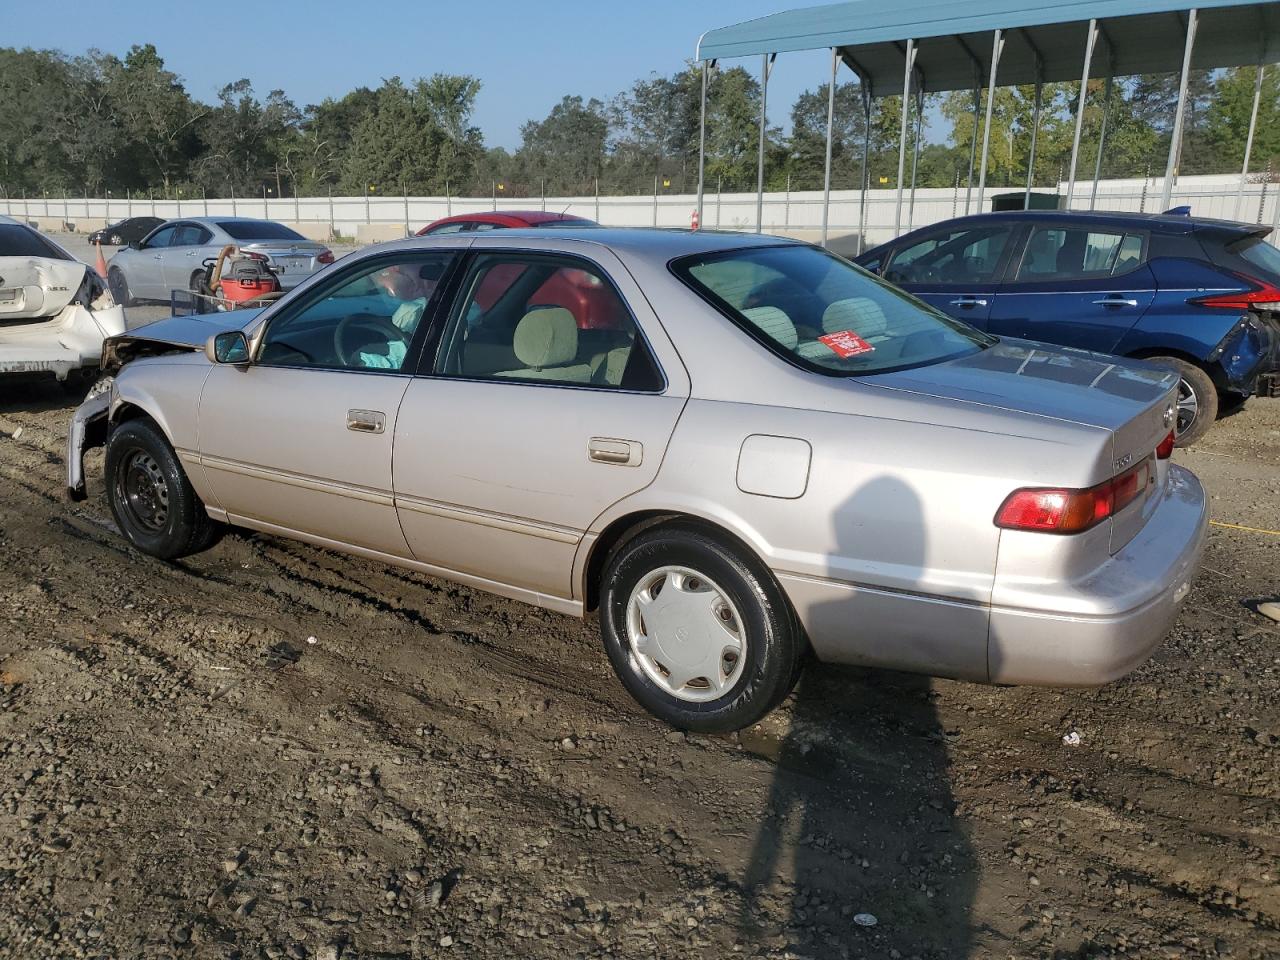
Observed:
{"x":728,"y":615}
{"x":151,"y":499}
{"x":1197,"y":400}
{"x":196,"y":286}
{"x":119,"y":287}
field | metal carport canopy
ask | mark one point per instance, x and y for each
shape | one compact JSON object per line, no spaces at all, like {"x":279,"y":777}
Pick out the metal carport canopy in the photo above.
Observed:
{"x":954,"y":38}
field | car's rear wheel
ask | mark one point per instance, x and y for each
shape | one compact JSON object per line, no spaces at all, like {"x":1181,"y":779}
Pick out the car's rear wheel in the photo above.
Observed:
{"x":150,"y":497}
{"x":119,"y":287}
{"x":1197,"y":400}
{"x":699,"y":634}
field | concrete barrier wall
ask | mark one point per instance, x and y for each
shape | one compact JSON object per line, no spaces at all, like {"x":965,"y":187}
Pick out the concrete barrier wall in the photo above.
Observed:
{"x":373,"y":219}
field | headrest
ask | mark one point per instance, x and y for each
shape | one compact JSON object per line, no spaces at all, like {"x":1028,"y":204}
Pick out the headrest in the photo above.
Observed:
{"x":775,"y":324}
{"x":546,"y":337}
{"x":862,"y":315}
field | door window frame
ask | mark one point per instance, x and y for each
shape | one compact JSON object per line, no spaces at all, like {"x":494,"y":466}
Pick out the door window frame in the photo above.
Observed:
{"x":1012,"y":281}
{"x":1012,"y":249}
{"x":423,"y":334}
{"x":432,"y":354}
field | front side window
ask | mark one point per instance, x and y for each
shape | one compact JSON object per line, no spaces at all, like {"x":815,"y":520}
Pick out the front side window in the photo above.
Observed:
{"x":970,"y":255}
{"x":824,"y":313}
{"x":545,"y":319}
{"x":162,"y":237}
{"x":1062,"y":253}
{"x":364,"y":321}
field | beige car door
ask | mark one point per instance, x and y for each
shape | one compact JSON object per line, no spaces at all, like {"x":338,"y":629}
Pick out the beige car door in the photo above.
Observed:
{"x":300,"y":440}
{"x":555,"y":395}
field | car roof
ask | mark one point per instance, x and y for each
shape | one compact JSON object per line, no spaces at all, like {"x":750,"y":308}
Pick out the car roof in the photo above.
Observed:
{"x":214,"y":221}
{"x":646,"y":241}
{"x":511,"y":217}
{"x":1159,"y":222}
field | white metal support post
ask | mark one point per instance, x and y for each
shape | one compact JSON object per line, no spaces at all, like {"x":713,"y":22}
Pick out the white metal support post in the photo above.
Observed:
{"x":1102,"y":137}
{"x":1035,"y":133}
{"x":865,"y":181}
{"x":973,"y":141}
{"x":997,"y":47}
{"x":1175,"y":143}
{"x":902,"y":133}
{"x":765,"y":66}
{"x":826,"y":167}
{"x":1248,"y":143}
{"x":702,"y":146}
{"x":915,"y":156}
{"x":1084,"y":91}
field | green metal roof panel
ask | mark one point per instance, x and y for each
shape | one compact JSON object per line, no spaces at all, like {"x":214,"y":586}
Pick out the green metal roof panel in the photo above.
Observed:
{"x":954,"y":38}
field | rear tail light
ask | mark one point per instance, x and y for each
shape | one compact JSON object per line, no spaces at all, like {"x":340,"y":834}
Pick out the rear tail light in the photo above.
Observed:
{"x":1052,"y":510}
{"x":248,"y":255}
{"x":326,"y":256}
{"x":1165,"y":450}
{"x":1260,"y":296}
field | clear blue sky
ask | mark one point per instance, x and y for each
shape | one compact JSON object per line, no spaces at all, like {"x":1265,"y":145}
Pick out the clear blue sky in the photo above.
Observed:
{"x":528,"y":54}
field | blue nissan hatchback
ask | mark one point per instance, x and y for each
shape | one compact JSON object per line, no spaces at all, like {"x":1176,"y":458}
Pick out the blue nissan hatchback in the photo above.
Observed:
{"x":1199,"y":295}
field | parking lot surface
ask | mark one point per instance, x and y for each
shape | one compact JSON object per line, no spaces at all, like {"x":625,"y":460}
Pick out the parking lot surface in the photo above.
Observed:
{"x":270,"y":750}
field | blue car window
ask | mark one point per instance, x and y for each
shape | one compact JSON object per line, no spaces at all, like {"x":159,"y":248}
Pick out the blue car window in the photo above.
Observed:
{"x":969,"y":255}
{"x":1062,"y":253}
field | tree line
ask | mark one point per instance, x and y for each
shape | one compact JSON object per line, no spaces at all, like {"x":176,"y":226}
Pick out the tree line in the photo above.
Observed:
{"x":101,"y":124}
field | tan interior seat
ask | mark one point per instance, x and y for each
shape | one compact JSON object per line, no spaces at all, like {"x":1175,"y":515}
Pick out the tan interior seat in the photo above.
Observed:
{"x":775,"y":324}
{"x":546,"y":342}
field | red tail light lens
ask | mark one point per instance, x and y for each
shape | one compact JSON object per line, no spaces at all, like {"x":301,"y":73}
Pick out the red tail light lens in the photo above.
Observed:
{"x":248,"y":255}
{"x":1261,"y":296}
{"x":1049,"y":510}
{"x":326,"y":256}
{"x":1165,"y":450}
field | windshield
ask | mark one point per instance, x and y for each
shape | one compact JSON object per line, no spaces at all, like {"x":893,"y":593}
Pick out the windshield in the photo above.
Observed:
{"x":19,"y":241}
{"x":824,"y":313}
{"x":258,"y":230}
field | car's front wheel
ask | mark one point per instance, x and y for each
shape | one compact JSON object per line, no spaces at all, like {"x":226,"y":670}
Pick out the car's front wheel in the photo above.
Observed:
{"x":700,"y":634}
{"x":150,"y":496}
{"x":1197,"y":400}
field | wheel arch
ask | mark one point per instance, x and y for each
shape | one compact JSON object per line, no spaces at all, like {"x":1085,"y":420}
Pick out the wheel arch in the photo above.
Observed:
{"x":1213,"y":370}
{"x":630,"y":524}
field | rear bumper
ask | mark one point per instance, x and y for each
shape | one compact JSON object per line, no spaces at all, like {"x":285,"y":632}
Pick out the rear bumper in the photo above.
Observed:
{"x":1100,"y":630}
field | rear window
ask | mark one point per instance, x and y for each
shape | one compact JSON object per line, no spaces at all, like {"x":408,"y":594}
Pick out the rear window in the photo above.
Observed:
{"x":825,"y":314}
{"x":19,"y":241}
{"x":566,"y":223}
{"x":258,"y":230}
{"x":1258,"y":253}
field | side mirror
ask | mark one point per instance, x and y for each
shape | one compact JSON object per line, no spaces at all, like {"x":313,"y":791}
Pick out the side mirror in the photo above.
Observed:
{"x":230,"y":346}
{"x":135,"y":244}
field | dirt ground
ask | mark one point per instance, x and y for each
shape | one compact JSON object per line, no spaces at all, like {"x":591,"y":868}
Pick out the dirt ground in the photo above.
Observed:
{"x":269,"y":750}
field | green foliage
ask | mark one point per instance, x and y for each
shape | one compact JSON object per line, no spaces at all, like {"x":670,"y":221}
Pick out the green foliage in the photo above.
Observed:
{"x":102,"y":123}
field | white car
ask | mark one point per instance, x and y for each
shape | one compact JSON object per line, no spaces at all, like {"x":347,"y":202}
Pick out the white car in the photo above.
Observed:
{"x":54,"y":310}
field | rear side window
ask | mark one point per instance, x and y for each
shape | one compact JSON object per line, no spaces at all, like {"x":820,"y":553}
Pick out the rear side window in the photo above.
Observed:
{"x":456,"y":227}
{"x":970,"y":255}
{"x":19,"y":241}
{"x":1062,"y":253}
{"x":545,"y":319}
{"x":258,"y":230}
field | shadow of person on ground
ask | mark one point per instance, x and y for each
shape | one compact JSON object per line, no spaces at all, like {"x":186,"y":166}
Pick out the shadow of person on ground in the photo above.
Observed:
{"x":860,"y":817}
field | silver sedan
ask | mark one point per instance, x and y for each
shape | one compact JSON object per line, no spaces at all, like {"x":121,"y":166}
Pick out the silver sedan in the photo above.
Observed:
{"x":172,"y":256}
{"x":738,"y":450}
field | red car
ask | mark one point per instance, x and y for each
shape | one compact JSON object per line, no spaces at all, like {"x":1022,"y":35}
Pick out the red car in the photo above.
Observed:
{"x":576,"y":291}
{"x":504,"y":219}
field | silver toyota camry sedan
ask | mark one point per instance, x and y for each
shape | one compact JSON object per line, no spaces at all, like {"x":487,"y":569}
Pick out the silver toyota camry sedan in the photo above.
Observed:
{"x":171,"y":257}
{"x":740,"y":451}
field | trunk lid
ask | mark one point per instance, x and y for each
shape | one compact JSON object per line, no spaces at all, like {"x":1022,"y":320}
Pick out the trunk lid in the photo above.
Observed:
{"x":36,"y":288}
{"x":1132,"y":400}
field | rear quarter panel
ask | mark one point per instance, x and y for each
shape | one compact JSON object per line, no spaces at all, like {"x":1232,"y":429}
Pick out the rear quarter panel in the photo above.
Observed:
{"x":1171,"y":324}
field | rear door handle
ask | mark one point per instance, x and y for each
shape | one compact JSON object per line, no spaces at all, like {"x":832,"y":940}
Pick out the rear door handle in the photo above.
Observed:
{"x":366,"y":421}
{"x":1116,"y":300}
{"x":623,"y":453}
{"x":969,"y":302}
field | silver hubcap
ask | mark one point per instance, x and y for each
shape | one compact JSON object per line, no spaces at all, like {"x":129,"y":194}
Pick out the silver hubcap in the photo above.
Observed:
{"x":685,"y":634}
{"x":1188,"y":408}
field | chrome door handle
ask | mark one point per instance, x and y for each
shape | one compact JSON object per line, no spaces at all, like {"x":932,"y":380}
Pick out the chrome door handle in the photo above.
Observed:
{"x":969,"y":302}
{"x":366,"y":421}
{"x":157,"y":256}
{"x":191,"y":253}
{"x":624,"y":453}
{"x":1116,"y":301}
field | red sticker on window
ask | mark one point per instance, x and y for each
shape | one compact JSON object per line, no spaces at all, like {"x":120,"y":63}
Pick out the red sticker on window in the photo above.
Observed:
{"x":846,"y":343}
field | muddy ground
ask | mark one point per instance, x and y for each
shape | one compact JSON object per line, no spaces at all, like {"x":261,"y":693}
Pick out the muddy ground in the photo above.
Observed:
{"x":269,"y":750}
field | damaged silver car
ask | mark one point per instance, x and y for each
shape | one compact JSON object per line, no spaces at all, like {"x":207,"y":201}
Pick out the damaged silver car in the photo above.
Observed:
{"x":55,"y":311}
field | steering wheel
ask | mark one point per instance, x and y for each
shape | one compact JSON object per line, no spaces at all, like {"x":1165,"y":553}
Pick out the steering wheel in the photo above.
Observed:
{"x":368,"y":321}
